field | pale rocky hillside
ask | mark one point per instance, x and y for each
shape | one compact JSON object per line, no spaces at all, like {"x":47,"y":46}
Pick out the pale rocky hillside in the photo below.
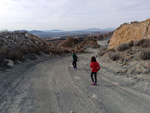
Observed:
{"x":130,"y":32}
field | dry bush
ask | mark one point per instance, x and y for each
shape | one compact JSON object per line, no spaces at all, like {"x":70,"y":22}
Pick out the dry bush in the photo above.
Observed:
{"x":21,"y":49}
{"x":123,"y":47}
{"x":67,"y":51}
{"x":102,"y":51}
{"x":142,"y":43}
{"x":145,"y":55}
{"x":47,"y":50}
{"x":3,"y":52}
{"x":58,"y":51}
{"x":146,"y":43}
{"x":111,"y":50}
{"x":131,"y":43}
{"x":122,"y":57}
{"x":34,"y":50}
{"x":15,"y":55}
{"x":114,"y":56}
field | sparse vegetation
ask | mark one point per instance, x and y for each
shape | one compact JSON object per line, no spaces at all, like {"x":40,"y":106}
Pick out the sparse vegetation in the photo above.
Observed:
{"x":145,"y":55}
{"x":131,"y":43}
{"x":114,"y":56}
{"x":133,"y":50}
{"x":111,"y":50}
{"x":19,"y":48}
{"x":123,"y":47}
{"x":34,"y":50}
{"x":15,"y":55}
{"x":3,"y":52}
{"x":142,"y":43}
{"x":102,"y":51}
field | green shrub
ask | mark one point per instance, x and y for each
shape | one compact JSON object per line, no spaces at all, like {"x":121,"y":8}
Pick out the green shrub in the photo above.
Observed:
{"x":123,"y":47}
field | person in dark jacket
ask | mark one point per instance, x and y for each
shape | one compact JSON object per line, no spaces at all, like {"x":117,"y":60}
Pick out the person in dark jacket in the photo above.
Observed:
{"x":95,"y":68}
{"x":74,"y":56}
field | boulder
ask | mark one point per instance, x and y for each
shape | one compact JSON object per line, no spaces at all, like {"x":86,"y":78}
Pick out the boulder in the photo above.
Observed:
{"x":10,"y":63}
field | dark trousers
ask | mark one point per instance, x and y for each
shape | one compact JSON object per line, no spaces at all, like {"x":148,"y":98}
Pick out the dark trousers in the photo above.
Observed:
{"x":74,"y":63}
{"x":94,"y":77}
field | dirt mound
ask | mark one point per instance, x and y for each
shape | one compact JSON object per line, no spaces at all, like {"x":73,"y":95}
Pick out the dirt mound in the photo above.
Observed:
{"x":79,"y":44}
{"x":18,"y":46}
{"x":87,"y":43}
{"x":130,"y":32}
{"x":70,"y":42}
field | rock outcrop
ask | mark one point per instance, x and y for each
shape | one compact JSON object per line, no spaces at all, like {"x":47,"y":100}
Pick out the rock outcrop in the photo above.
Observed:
{"x":130,"y":32}
{"x":79,"y":44}
{"x":70,"y":42}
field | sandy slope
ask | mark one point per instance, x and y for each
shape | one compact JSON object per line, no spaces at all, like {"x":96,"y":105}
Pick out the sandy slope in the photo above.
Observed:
{"x":55,"y":87}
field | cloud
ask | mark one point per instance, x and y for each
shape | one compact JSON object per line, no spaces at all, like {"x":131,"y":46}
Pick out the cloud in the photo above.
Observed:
{"x":70,"y":14}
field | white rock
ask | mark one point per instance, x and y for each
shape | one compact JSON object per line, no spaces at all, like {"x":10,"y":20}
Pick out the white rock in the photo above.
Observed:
{"x":10,"y":63}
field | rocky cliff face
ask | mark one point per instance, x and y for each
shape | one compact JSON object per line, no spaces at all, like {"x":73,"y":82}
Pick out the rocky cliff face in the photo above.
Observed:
{"x":130,"y":32}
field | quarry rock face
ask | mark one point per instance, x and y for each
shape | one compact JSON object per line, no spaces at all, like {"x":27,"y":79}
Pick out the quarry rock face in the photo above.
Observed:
{"x":130,"y":32}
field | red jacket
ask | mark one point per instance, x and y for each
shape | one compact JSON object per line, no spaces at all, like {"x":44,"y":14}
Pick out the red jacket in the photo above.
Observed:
{"x":95,"y":66}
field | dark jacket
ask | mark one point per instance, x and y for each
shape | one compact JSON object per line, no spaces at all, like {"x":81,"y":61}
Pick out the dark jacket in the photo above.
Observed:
{"x":74,"y":56}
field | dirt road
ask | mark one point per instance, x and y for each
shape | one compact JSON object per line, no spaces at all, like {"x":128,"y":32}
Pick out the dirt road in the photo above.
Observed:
{"x":55,"y":87}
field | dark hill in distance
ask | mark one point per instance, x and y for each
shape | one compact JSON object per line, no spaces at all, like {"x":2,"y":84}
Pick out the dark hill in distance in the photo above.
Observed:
{"x":56,"y":30}
{"x":61,"y":33}
{"x":101,"y":30}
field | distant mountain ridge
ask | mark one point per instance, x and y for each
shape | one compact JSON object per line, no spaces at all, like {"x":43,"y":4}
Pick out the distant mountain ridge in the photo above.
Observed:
{"x":98,"y":29}
{"x":58,"y":30}
{"x":59,"y":33}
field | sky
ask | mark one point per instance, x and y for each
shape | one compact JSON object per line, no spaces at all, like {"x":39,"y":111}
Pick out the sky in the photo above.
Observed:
{"x":70,"y":14}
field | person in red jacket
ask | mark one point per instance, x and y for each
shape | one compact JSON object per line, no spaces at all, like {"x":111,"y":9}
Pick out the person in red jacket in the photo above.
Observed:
{"x":95,"y":68}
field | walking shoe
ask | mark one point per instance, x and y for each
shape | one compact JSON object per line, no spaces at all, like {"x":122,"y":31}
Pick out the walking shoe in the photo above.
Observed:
{"x":92,"y":83}
{"x":95,"y":83}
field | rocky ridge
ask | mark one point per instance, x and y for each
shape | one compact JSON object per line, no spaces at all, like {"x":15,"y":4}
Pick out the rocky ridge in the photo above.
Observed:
{"x":130,"y":32}
{"x":18,"y":46}
{"x":79,"y":45}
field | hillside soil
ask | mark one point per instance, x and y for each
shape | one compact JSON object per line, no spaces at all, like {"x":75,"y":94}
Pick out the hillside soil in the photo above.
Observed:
{"x":53,"y":86}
